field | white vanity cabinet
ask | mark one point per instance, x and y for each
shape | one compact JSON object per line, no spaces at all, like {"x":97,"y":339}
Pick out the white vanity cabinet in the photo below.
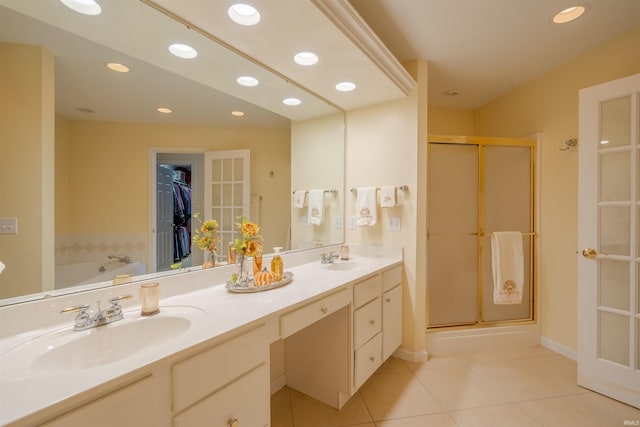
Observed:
{"x":377,"y":322}
{"x":134,"y":404}
{"x":226,"y":384}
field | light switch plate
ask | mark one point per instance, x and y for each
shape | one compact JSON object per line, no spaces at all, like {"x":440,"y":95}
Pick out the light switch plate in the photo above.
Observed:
{"x":8,"y":225}
{"x":353,"y":223}
{"x":394,"y":223}
{"x":337,"y":222}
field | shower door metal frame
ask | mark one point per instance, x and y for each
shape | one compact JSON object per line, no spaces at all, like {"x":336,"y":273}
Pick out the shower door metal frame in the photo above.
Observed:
{"x":482,"y":142}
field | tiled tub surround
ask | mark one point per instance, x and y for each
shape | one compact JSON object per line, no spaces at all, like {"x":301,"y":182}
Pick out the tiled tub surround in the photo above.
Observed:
{"x":31,"y":398}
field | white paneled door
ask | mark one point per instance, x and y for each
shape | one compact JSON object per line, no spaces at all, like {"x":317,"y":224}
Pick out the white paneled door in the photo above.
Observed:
{"x":227,"y":191}
{"x":609,"y":240}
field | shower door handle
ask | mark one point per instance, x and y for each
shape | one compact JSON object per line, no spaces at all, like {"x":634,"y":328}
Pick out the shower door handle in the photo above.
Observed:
{"x":589,"y":253}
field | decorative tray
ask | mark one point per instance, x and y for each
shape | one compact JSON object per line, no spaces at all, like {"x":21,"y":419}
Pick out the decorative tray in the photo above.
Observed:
{"x":287,"y":277}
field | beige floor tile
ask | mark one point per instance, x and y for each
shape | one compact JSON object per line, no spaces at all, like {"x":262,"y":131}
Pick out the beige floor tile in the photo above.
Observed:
{"x":396,"y":395}
{"x":508,"y":415}
{"x":281,"y":409}
{"x":393,"y":365}
{"x":503,"y":354}
{"x":458,"y":388}
{"x":567,"y":411}
{"x":436,"y":362}
{"x":519,"y":380}
{"x":434,"y":420}
{"x":308,"y":412}
{"x":618,"y":410}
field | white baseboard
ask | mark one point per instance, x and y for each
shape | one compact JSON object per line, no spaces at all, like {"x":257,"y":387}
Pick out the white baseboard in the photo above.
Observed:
{"x":411,"y":356}
{"x":277,"y":384}
{"x":559,"y":348}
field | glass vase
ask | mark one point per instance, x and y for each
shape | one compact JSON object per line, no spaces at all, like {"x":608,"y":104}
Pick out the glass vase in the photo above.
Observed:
{"x":211,"y":260}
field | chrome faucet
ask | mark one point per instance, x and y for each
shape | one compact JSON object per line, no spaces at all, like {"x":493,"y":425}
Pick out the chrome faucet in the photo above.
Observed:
{"x":84,"y":319}
{"x":121,"y":258}
{"x":328,"y":258}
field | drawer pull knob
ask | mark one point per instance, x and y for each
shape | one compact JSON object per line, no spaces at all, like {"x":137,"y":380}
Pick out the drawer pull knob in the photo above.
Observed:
{"x":372,"y":358}
{"x":388,"y":299}
{"x":372,"y":321}
{"x":232,"y":422}
{"x":324,"y":309}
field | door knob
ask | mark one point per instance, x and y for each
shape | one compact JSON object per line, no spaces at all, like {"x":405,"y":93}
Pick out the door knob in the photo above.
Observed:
{"x":589,"y":253}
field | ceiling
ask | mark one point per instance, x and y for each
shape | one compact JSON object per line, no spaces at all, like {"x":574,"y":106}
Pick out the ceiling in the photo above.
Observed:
{"x":480,"y":48}
{"x":487,"y":48}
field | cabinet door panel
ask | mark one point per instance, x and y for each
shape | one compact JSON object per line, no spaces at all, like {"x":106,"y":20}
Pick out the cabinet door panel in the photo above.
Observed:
{"x":133,"y":405}
{"x":391,"y":321}
{"x":368,"y":359}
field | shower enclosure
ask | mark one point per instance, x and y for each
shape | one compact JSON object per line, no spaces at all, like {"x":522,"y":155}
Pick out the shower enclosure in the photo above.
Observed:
{"x":477,"y":186}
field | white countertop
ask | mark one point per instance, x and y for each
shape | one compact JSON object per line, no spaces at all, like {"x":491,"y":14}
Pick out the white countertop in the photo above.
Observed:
{"x":215,"y":311}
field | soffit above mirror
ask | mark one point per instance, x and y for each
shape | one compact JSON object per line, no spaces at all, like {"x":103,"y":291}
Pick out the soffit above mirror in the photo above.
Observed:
{"x":144,"y":34}
{"x":348,"y":49}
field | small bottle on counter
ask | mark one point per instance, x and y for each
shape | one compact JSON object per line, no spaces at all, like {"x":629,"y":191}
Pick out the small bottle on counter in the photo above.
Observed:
{"x":277,"y":266}
{"x":149,"y":298}
{"x":344,"y":252}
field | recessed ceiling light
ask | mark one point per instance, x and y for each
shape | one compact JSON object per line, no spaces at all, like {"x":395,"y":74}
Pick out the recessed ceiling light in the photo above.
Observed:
{"x":345,"y":86}
{"x":450,"y":92}
{"x":118,"y":67}
{"x":604,"y":142}
{"x":247,"y":81}
{"x":291,"y":101}
{"x":164,"y":110}
{"x":569,"y":14}
{"x":86,"y":7}
{"x":306,"y":58}
{"x":183,"y":51}
{"x":237,"y":113}
{"x":244,"y":14}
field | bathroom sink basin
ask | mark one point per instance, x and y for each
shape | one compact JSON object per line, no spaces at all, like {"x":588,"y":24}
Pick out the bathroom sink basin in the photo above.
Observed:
{"x":66,"y":350}
{"x":348,"y":266}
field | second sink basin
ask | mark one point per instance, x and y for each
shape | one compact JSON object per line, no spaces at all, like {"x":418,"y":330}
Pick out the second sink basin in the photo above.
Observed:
{"x":347,"y":266}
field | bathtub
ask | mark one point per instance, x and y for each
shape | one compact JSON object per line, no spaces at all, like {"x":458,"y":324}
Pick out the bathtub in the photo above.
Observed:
{"x":82,"y":273}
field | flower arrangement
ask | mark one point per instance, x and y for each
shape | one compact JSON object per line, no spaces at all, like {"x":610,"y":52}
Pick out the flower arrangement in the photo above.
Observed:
{"x":249,"y":244}
{"x":207,"y":238}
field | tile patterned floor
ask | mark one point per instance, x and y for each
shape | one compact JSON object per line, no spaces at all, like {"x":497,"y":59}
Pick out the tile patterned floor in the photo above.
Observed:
{"x":529,"y":388}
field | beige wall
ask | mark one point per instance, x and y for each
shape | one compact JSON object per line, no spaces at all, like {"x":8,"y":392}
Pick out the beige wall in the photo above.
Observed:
{"x":550,"y":105}
{"x":384,"y":144}
{"x":443,"y":121}
{"x":317,"y":153}
{"x":108,"y":191}
{"x":26,"y":167}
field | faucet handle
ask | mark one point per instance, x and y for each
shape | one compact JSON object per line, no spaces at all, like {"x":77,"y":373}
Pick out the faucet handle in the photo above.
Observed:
{"x":116,"y":300}
{"x":81,"y":308}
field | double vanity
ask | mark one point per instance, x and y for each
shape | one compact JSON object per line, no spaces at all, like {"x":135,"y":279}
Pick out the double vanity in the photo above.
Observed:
{"x":208,"y":355}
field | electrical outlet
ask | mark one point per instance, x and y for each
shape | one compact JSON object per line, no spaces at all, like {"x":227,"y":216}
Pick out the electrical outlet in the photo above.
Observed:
{"x":394,"y":223}
{"x":8,"y":225}
{"x":337,"y":221}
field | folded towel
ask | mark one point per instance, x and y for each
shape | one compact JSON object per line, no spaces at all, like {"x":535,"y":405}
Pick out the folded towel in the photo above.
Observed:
{"x":507,"y":264}
{"x":387,"y":197}
{"x":1,"y":266}
{"x":366,"y":206}
{"x":298,"y":198}
{"x":316,"y":207}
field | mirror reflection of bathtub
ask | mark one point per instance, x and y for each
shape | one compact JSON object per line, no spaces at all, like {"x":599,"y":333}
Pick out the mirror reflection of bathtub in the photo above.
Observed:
{"x":85,"y":272}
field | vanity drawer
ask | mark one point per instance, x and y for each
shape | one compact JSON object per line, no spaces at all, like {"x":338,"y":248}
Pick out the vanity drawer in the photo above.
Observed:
{"x":245,"y":400}
{"x":391,"y":278}
{"x":366,"y":290}
{"x":366,"y":322}
{"x":204,"y":373}
{"x":296,"y":320}
{"x":368,"y":359}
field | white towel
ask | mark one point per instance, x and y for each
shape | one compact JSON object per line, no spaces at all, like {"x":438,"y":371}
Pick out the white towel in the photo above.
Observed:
{"x":507,"y":264}
{"x":316,"y":207}
{"x":298,"y":198}
{"x":387,"y":197}
{"x":366,"y":206}
{"x":1,"y":266}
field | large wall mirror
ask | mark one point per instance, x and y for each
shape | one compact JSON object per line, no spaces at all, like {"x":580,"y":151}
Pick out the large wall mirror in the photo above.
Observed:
{"x":85,"y":189}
